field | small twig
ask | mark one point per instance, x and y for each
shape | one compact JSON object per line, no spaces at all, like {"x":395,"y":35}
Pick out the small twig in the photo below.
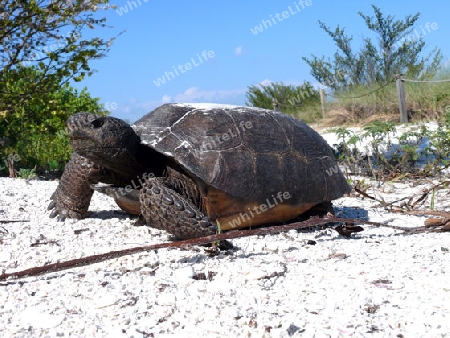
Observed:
{"x":383,"y":203}
{"x":393,"y":202}
{"x":421,"y":198}
{"x":427,"y":212}
{"x":79,"y":231}
{"x":38,"y":242}
{"x":14,"y":220}
{"x":427,"y":192}
{"x":410,"y":198}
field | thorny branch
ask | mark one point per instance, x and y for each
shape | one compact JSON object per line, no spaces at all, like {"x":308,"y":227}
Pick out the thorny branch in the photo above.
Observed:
{"x":346,"y":230}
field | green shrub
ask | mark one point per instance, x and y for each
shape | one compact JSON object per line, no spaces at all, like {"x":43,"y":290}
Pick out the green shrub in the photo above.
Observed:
{"x":34,"y":129}
{"x":382,"y":159}
{"x":27,"y":173}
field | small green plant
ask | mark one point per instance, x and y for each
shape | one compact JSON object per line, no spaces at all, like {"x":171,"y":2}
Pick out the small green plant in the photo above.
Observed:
{"x":363,"y":185}
{"x":347,"y":152}
{"x":56,"y":166}
{"x":347,"y":137}
{"x":27,"y":173}
{"x":53,"y":165}
{"x":379,"y":129}
{"x":219,"y":230}
{"x":432,"y":201}
{"x":438,"y":149}
{"x":383,"y":158}
{"x":406,"y":155}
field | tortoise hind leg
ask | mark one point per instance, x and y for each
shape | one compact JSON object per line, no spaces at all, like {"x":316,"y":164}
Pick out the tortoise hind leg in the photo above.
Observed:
{"x":319,"y":210}
{"x":165,"y":209}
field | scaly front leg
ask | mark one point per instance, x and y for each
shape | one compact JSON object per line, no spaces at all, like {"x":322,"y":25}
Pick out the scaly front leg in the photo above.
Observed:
{"x":72,"y":197}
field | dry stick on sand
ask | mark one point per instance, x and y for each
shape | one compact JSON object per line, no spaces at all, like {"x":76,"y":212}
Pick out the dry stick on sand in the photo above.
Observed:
{"x":14,"y":220}
{"x":411,"y":205}
{"x":443,"y":223}
{"x":344,"y":230}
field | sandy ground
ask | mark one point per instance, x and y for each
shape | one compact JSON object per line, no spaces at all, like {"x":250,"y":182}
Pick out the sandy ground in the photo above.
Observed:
{"x":313,"y":283}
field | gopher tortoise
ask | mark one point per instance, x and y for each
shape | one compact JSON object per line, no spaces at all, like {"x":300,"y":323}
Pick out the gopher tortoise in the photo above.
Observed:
{"x":192,"y":168}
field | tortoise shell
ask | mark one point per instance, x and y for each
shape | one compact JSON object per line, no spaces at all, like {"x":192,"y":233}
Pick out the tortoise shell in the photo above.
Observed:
{"x":248,"y":153}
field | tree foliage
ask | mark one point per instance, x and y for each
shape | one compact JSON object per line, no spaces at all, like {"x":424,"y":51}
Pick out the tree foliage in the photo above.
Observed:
{"x":48,"y":35}
{"x":397,"y":51}
{"x":43,"y":46}
{"x":291,"y":99}
{"x":33,"y":131}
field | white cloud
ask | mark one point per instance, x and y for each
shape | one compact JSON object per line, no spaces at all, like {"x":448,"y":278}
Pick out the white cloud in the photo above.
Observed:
{"x":194,"y":94}
{"x":135,"y":109}
{"x":238,"y":51}
{"x":134,"y":104}
{"x":265,"y":82}
{"x":166,"y":98}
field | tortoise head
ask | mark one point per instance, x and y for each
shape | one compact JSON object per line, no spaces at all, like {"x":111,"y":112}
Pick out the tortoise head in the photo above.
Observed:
{"x":105,"y":140}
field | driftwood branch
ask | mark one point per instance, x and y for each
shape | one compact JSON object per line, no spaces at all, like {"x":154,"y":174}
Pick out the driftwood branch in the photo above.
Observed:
{"x":342,"y":229}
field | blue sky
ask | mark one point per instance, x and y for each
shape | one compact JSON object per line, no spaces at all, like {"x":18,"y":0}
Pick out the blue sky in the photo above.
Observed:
{"x":217,"y":39}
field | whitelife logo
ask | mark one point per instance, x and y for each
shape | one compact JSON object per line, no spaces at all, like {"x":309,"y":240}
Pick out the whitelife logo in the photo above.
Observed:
{"x":280,"y":17}
{"x":167,"y":76}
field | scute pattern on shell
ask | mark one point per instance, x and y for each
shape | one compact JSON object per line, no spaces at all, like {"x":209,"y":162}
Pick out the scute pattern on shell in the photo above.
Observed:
{"x":247,"y":152}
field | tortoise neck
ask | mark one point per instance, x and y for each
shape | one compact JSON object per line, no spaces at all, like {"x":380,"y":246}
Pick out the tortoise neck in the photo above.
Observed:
{"x":149,"y":161}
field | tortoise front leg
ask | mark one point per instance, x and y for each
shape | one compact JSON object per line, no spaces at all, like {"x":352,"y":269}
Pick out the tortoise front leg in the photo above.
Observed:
{"x":73,"y":194}
{"x":165,"y":209}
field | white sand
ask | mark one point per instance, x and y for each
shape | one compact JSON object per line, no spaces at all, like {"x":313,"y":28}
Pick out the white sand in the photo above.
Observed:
{"x":376,"y":284}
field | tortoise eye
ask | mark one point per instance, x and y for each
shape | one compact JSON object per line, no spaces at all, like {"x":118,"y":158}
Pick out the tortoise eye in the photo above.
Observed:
{"x":97,"y":123}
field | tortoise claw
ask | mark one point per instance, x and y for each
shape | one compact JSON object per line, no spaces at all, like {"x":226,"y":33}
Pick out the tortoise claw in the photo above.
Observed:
{"x":60,"y":212}
{"x":140,"y":221}
{"x":61,"y":218}
{"x":51,"y":206}
{"x":54,"y":213}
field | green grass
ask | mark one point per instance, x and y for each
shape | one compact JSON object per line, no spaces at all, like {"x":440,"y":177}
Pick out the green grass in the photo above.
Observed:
{"x":425,"y":101}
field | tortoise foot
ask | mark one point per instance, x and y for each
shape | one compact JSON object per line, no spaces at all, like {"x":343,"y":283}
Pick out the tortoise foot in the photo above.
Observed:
{"x":165,"y":209}
{"x":72,"y":196}
{"x":61,"y":211}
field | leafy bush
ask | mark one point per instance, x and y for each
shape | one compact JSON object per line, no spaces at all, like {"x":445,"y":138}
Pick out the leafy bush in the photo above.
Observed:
{"x":376,"y":61}
{"x":418,"y":152}
{"x":302,"y":101}
{"x":27,"y":173}
{"x":34,"y":129}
